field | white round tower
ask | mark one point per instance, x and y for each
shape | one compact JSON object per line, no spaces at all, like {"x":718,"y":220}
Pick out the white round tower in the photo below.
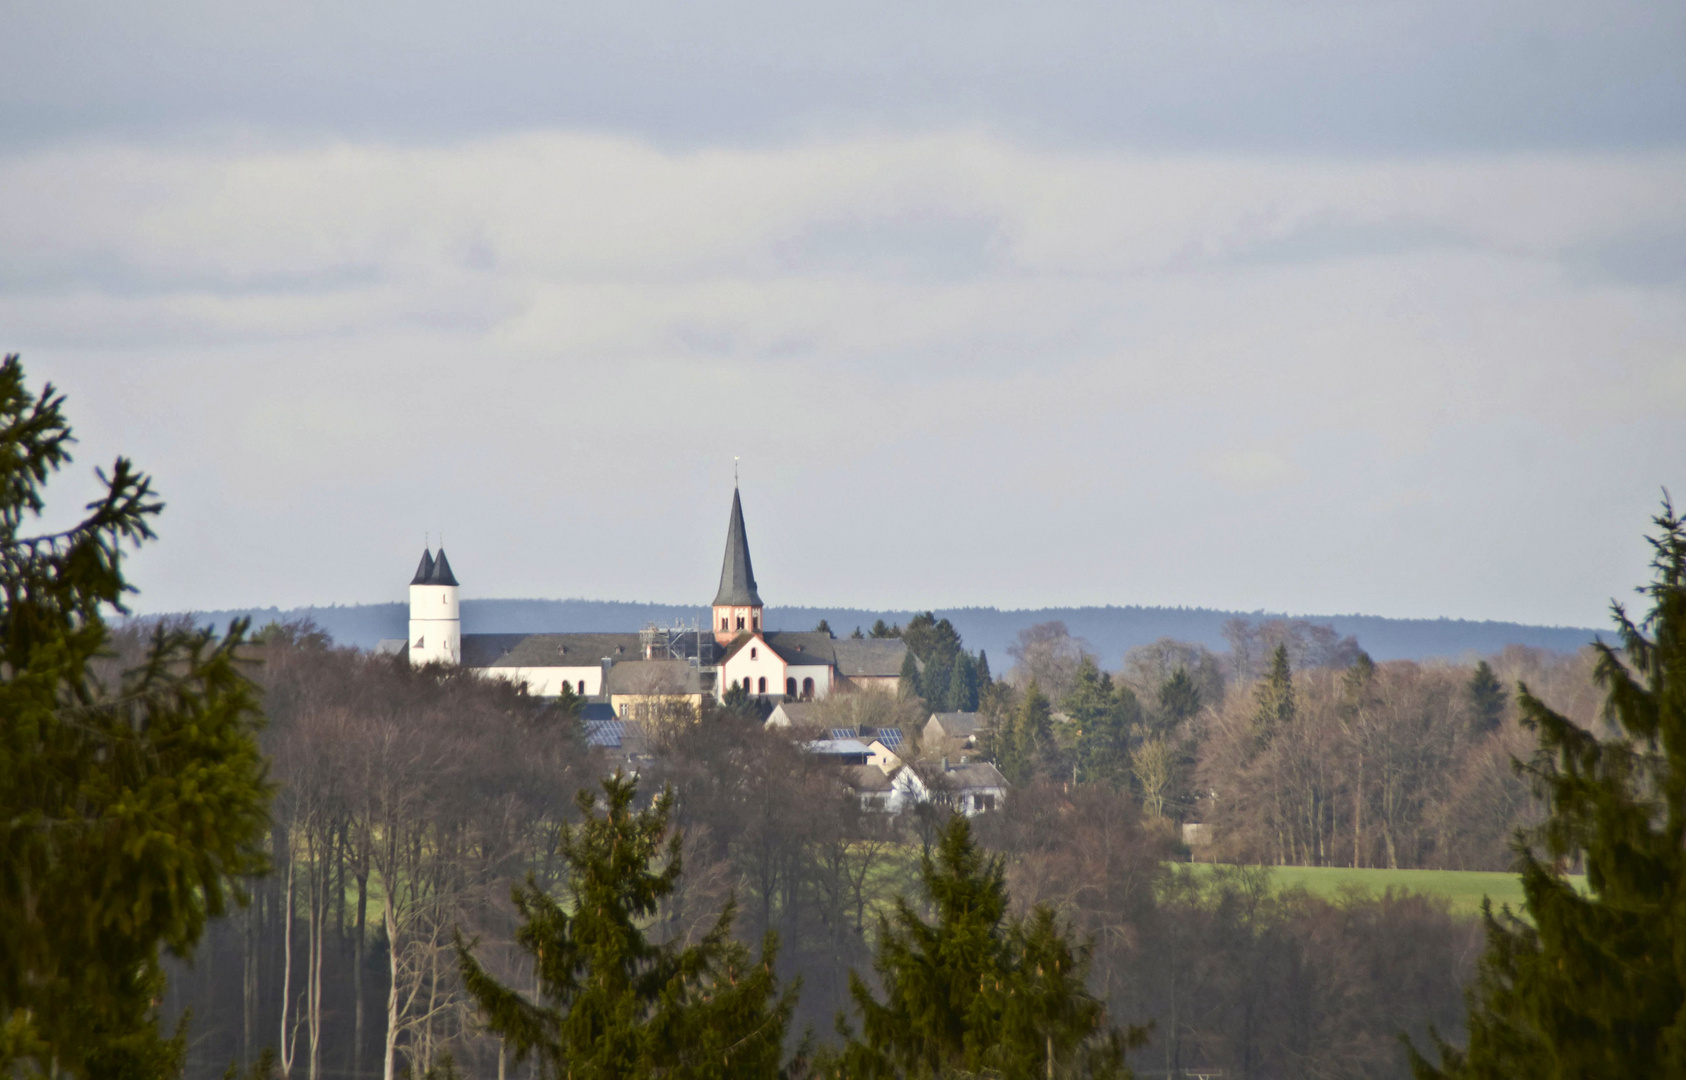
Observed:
{"x":435,"y":626}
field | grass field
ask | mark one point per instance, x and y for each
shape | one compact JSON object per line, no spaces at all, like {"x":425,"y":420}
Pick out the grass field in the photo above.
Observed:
{"x":1464,"y":888}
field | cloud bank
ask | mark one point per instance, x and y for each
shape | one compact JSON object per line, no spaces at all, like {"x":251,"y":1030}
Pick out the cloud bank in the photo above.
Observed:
{"x":960,"y":366}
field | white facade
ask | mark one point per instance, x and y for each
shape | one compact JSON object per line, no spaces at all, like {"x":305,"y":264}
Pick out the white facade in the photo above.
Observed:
{"x":435,"y":625}
{"x":547,"y":681}
{"x":756,"y":668}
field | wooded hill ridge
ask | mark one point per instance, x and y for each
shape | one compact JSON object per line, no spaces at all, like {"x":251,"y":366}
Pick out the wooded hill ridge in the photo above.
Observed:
{"x":1109,"y":631}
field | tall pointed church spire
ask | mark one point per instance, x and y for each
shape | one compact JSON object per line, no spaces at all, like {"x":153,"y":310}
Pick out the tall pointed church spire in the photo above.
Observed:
{"x":737,"y":606}
{"x":425,"y":570}
{"x":737,"y":577}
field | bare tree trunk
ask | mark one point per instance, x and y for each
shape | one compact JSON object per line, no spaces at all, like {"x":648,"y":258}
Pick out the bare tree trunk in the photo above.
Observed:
{"x":313,"y":992}
{"x":1358,"y":815}
{"x":389,"y":1071}
{"x":287,"y":964}
{"x":357,"y":973}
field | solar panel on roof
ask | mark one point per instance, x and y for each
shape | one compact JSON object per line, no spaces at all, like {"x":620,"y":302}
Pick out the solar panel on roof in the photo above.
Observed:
{"x":890,"y":737}
{"x":842,"y":732}
{"x":606,"y":733}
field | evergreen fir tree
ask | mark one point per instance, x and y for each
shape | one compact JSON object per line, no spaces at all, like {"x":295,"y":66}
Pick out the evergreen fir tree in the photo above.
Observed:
{"x":1595,"y":985}
{"x":857,"y":635}
{"x":1179,"y":700}
{"x":963,"y":689}
{"x":1029,"y":735}
{"x":910,"y":685}
{"x":1275,"y":697}
{"x":985,"y":680}
{"x":823,"y":628}
{"x":975,"y":993}
{"x":613,"y":1004}
{"x":881,"y":629}
{"x":1487,"y":700}
{"x":568,"y":703}
{"x":128,"y":812}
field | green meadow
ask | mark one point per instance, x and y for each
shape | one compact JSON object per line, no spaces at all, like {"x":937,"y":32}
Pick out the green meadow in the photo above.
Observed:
{"x":1462,"y":888}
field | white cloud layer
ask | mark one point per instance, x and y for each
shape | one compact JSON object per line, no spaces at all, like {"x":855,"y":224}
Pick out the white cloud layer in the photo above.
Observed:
{"x":960,"y":368}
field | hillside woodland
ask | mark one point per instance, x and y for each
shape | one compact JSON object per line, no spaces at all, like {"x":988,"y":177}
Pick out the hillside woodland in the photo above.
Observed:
{"x":457,"y":790}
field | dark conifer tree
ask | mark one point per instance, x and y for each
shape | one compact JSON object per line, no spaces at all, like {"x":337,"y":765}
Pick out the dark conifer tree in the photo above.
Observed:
{"x":973,"y":992}
{"x":1487,"y":700}
{"x":127,"y":812}
{"x":1179,"y":700}
{"x":1027,"y":737}
{"x":613,"y":1004}
{"x":985,"y":679}
{"x":1275,"y":697}
{"x":911,"y":683}
{"x":881,"y":629}
{"x":823,"y":628}
{"x":1595,"y":985}
{"x":857,"y":635}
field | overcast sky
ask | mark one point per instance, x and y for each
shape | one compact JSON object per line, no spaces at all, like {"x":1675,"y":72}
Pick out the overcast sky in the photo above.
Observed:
{"x":1281,"y":304}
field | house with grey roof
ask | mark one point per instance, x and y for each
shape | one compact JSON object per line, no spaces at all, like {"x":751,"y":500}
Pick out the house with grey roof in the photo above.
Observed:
{"x":951,"y":731}
{"x":969,"y":788}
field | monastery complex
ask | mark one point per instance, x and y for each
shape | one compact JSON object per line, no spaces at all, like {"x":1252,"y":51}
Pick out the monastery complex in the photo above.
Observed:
{"x":634,"y":671}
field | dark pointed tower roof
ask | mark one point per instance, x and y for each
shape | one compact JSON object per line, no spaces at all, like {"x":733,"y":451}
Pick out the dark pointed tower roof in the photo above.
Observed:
{"x":425,"y":570}
{"x":442,"y":571}
{"x":737,"y":578}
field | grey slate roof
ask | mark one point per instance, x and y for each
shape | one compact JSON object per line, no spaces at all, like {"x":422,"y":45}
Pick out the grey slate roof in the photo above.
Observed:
{"x":425,"y":570}
{"x":737,"y":577}
{"x":795,"y":647}
{"x":868,"y":779}
{"x":957,"y":725}
{"x":655,"y":677}
{"x":971,"y":776}
{"x":441,"y":571}
{"x":801,"y":646}
{"x":799,"y":713}
{"x":547,"y":650}
{"x":869,"y":657}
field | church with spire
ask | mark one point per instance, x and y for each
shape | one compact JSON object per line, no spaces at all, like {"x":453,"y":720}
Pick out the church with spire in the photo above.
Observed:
{"x":639,"y":671}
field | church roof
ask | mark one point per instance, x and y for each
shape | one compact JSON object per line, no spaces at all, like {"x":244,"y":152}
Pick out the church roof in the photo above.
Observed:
{"x":441,"y":571}
{"x":869,"y":657}
{"x":798,"y":648}
{"x":737,"y":577}
{"x":425,"y":570}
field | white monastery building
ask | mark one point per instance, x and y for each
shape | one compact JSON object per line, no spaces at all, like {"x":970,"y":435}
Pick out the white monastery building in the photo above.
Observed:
{"x":630,"y":671}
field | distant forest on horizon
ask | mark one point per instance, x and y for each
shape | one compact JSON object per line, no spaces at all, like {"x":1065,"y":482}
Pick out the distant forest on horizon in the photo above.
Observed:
{"x":1108,"y":631}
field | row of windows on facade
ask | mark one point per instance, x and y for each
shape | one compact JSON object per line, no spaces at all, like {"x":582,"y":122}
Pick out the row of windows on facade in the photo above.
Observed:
{"x":754,"y":622}
{"x":760,"y":687}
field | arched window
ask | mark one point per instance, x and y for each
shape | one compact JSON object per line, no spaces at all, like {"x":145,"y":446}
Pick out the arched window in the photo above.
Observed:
{"x":723,"y":624}
{"x":807,"y":688}
{"x":763,"y":681}
{"x":746,"y":684}
{"x":740,"y":622}
{"x":790,"y":687}
{"x":753,"y":652}
{"x":582,"y":688}
{"x":756,"y":619}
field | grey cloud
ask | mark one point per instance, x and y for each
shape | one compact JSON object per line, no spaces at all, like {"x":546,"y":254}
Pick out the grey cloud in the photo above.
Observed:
{"x":1220,"y":73}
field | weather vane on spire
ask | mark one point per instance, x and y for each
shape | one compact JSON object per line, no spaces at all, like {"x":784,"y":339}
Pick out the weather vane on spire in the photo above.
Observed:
{"x":734,"y":472}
